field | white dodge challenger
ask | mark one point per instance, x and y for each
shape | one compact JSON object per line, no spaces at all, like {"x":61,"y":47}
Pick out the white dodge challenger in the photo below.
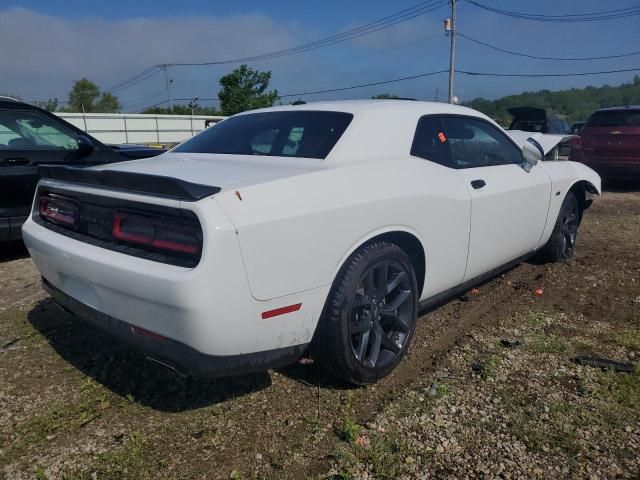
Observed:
{"x":324,"y":226}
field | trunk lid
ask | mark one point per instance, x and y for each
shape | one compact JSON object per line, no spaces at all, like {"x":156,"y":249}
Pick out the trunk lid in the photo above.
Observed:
{"x":220,"y":170}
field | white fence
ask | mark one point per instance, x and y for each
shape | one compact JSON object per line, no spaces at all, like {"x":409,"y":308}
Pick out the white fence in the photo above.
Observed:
{"x":138,"y":128}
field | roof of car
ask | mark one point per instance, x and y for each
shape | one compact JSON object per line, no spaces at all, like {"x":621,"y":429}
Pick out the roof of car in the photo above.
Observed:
{"x":8,"y":102}
{"x":621,"y":107}
{"x":396,"y":105}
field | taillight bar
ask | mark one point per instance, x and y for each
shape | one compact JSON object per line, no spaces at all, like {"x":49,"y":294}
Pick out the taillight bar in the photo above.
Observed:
{"x":58,"y":210}
{"x":156,"y":233}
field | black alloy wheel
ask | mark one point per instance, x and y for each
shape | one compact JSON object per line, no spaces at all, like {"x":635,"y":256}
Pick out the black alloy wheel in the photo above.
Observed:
{"x":381,"y":314}
{"x":370,"y":315}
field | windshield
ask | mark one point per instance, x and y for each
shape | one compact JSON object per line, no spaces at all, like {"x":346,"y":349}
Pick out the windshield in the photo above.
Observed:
{"x":307,"y":134}
{"x":615,"y":118}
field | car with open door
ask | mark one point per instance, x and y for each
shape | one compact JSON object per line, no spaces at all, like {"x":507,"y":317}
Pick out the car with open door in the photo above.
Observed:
{"x":322,"y":227}
{"x":536,"y":120}
{"x":31,"y":136}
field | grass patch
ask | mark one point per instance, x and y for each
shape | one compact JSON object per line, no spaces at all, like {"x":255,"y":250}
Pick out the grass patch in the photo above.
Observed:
{"x":628,"y":338}
{"x":541,"y":343}
{"x":133,"y":460}
{"x":384,"y":457}
{"x":61,"y":418}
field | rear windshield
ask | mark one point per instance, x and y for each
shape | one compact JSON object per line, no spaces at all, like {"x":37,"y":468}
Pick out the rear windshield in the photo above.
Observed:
{"x":307,"y":134}
{"x":615,"y":118}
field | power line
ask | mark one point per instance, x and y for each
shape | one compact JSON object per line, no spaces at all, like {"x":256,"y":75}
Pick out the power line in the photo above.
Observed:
{"x":637,"y":52}
{"x":359,"y":58}
{"x":342,"y":37}
{"x":535,"y":75}
{"x":145,"y":100}
{"x":377,"y":25}
{"x":579,"y":17}
{"x":149,"y":72}
{"x":352,"y":87}
{"x":151,"y":106}
{"x":427,"y":74}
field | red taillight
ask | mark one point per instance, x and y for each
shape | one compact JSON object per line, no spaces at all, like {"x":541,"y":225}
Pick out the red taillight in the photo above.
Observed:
{"x":576,"y":143}
{"x":159,"y":234}
{"x":58,"y":210}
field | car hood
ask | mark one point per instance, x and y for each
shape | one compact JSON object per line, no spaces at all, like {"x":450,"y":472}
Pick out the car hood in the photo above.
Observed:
{"x":547,"y":141}
{"x":223,"y":171}
{"x":527,"y":113}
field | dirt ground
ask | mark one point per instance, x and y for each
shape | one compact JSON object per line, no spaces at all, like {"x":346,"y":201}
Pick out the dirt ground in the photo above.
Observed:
{"x":488,"y":389}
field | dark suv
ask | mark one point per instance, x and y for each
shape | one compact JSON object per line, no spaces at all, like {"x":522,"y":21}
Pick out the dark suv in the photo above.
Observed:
{"x":610,"y":143}
{"x":31,"y":136}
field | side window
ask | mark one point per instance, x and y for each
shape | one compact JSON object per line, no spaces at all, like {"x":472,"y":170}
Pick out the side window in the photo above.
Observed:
{"x":28,"y":130}
{"x":430,"y":141}
{"x":475,"y":143}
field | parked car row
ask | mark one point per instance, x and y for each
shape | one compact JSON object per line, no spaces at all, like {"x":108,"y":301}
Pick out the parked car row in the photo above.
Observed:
{"x":31,"y":136}
{"x":608,"y":142}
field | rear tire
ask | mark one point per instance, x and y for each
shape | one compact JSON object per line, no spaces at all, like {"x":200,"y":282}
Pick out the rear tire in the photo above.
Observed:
{"x":561,"y":244}
{"x":370,"y":315}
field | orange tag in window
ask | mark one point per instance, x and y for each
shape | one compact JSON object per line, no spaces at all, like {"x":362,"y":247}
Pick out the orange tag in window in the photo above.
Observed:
{"x":442,"y":137}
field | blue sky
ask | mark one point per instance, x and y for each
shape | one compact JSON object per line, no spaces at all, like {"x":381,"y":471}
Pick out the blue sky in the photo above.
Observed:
{"x":46,"y":44}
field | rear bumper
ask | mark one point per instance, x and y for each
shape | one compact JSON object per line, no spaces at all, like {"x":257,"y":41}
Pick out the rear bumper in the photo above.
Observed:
{"x":207,"y":309}
{"x":170,"y":353}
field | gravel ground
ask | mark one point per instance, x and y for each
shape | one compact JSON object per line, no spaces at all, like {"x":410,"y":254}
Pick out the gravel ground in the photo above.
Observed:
{"x":75,"y":404}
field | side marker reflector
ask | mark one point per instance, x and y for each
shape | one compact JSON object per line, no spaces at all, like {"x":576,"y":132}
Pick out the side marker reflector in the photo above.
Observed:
{"x":281,"y":311}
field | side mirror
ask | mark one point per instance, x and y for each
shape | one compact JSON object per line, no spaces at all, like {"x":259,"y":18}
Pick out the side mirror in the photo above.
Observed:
{"x":85,"y":147}
{"x":532,"y":153}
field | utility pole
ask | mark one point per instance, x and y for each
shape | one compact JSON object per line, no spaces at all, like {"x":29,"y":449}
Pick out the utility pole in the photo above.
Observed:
{"x":168,"y":83}
{"x":452,"y":51}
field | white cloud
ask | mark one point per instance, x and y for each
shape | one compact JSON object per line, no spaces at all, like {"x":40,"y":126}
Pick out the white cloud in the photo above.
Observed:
{"x":41,"y":55}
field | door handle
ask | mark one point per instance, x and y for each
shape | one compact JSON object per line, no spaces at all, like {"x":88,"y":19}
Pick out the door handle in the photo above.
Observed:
{"x":15,"y":162}
{"x":478,"y":184}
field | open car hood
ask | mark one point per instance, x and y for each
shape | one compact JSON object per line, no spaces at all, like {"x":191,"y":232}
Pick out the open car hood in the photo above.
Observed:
{"x":527,"y":113}
{"x":546,"y":140}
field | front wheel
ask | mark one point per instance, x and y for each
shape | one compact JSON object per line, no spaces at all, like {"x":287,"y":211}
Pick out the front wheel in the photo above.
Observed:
{"x":561,"y":244}
{"x":370,"y":315}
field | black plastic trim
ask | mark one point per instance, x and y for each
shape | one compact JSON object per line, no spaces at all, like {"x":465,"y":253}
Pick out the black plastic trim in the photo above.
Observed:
{"x":463,"y":287}
{"x":131,"y":182}
{"x":173,"y":354}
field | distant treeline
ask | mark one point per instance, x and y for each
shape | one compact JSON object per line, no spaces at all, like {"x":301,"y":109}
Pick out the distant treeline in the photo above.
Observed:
{"x":574,"y":104}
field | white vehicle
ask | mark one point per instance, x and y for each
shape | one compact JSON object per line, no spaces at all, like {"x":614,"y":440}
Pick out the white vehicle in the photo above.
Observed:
{"x":324,"y":225}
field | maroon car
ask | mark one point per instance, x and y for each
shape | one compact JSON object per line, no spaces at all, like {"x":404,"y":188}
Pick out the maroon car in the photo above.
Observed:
{"x":610,"y":143}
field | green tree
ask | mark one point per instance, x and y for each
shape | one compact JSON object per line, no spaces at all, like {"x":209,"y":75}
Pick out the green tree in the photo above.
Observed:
{"x":244,"y":89}
{"x":50,"y":105}
{"x":573,"y":104}
{"x":85,"y":95}
{"x":107,"y":103}
{"x":183,"y":110}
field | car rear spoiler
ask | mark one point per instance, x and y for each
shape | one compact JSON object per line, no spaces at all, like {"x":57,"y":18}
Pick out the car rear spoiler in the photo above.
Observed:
{"x":131,"y":182}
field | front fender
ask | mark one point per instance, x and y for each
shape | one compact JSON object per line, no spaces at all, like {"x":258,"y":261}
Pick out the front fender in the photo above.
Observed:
{"x":593,"y":182}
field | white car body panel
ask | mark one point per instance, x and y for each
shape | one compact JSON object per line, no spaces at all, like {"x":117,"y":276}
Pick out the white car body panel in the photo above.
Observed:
{"x":280,"y":229}
{"x":504,"y":226}
{"x":546,"y":141}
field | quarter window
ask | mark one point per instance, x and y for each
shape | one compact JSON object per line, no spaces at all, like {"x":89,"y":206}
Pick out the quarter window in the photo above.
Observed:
{"x":430,"y":141}
{"x":475,"y":143}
